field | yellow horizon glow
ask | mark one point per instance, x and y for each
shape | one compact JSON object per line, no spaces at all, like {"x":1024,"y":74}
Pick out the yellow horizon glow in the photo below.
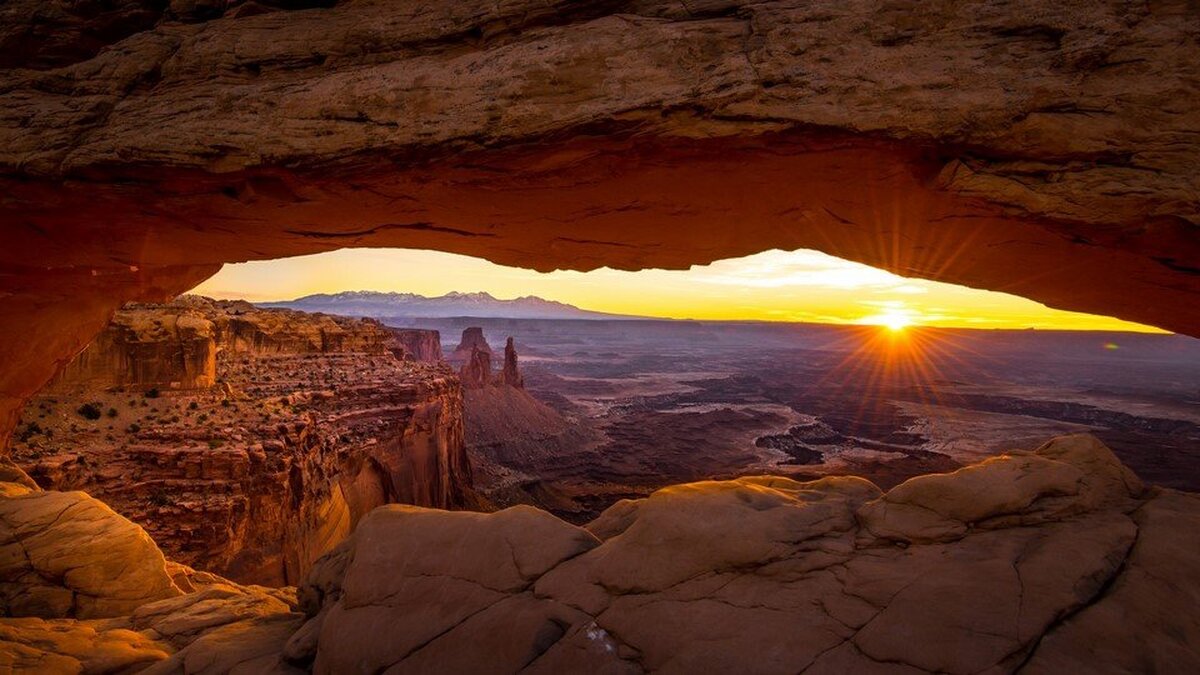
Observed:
{"x":894,"y":320}
{"x":796,"y":286}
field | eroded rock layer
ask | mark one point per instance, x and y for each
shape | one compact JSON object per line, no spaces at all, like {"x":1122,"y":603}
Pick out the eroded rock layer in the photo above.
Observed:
{"x":1043,"y":150}
{"x":1020,"y":562}
{"x":419,"y":344}
{"x":296,"y":426}
{"x":1041,"y":562}
{"x":176,"y":345}
{"x":94,"y":595}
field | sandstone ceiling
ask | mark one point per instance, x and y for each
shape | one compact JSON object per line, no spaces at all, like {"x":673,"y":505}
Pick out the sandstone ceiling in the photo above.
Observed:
{"x":1043,"y":149}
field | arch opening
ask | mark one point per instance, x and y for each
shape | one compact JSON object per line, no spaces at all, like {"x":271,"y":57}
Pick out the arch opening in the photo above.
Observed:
{"x":312,"y":408}
{"x":615,"y":200}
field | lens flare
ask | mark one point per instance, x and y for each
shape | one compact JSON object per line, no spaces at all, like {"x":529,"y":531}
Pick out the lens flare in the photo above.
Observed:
{"x":894,"y":320}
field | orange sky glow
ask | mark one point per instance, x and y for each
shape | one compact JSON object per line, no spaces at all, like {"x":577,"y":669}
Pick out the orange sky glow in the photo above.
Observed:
{"x":803,"y":286}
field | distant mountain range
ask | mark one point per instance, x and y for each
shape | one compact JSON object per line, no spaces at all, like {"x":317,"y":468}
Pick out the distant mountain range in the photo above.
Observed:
{"x":484,"y":305}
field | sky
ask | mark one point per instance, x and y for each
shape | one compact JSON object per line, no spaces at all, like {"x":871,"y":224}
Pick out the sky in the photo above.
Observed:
{"x":806,"y":286}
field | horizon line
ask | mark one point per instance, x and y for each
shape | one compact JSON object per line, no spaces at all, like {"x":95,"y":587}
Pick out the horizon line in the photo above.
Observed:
{"x":610,"y":316}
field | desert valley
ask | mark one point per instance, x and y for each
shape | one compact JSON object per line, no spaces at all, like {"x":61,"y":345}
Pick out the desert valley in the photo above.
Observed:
{"x":252,"y":444}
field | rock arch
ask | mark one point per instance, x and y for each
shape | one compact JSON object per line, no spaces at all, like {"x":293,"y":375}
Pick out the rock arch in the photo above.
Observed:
{"x":1044,"y":151}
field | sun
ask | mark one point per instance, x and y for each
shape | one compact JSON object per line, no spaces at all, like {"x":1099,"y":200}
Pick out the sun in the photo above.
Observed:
{"x":895,"y":320}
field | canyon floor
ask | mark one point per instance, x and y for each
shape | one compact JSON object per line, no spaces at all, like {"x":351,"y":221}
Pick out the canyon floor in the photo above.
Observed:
{"x":653,"y":403}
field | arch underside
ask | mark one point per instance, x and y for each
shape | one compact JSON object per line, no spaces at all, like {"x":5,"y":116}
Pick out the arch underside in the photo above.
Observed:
{"x":1024,"y":152}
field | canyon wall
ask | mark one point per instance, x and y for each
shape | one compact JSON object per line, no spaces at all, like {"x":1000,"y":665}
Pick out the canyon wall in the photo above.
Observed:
{"x":295,"y":428}
{"x":177,"y":346}
{"x":420,"y":344}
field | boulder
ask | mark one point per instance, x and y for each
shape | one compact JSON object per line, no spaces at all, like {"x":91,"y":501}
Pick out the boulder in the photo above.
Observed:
{"x":65,"y":554}
{"x":1033,"y":561}
{"x":1068,"y":475}
{"x":411,"y":575}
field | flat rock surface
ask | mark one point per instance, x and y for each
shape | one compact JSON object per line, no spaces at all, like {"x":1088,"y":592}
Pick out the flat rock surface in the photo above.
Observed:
{"x":1062,"y":563}
{"x":765,"y":574}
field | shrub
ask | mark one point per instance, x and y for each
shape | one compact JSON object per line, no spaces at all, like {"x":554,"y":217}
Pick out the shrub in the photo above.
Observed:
{"x":151,"y":392}
{"x":89,"y":411}
{"x":214,"y":443}
{"x":30,"y":429}
{"x":112,"y":412}
{"x":202,"y":417}
{"x":193,"y":405}
{"x":134,"y":428}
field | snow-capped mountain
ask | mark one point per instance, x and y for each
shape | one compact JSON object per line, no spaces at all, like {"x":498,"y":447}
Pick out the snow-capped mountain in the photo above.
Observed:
{"x":480,"y":304}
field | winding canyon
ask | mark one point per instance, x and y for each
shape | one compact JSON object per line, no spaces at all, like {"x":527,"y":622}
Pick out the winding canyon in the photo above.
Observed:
{"x":1045,"y":150}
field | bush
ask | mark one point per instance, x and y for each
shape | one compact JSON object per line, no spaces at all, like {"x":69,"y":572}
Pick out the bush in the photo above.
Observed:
{"x":112,"y":412}
{"x":152,"y":392}
{"x":193,"y":406}
{"x":214,"y":443}
{"x":30,"y":429}
{"x":134,"y":428}
{"x":89,"y":411}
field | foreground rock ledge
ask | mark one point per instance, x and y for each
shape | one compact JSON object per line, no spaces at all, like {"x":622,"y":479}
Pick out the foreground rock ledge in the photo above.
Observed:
{"x":1047,"y":562}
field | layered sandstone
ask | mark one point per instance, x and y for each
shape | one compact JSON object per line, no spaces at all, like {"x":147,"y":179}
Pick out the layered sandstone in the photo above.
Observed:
{"x":476,"y":370}
{"x":510,"y":373}
{"x":176,"y":345}
{"x":91,"y":593}
{"x":1043,"y":150}
{"x":474,"y":355}
{"x":1046,"y":562}
{"x":419,"y":344}
{"x":472,"y":340}
{"x":310,"y":422}
{"x":1025,"y":562}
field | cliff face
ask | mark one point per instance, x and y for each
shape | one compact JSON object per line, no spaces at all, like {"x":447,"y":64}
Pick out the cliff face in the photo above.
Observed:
{"x":510,"y":374}
{"x":176,"y":345}
{"x":472,"y":340}
{"x":476,"y":372}
{"x":310,"y":424}
{"x":420,"y":344}
{"x":152,"y":349}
